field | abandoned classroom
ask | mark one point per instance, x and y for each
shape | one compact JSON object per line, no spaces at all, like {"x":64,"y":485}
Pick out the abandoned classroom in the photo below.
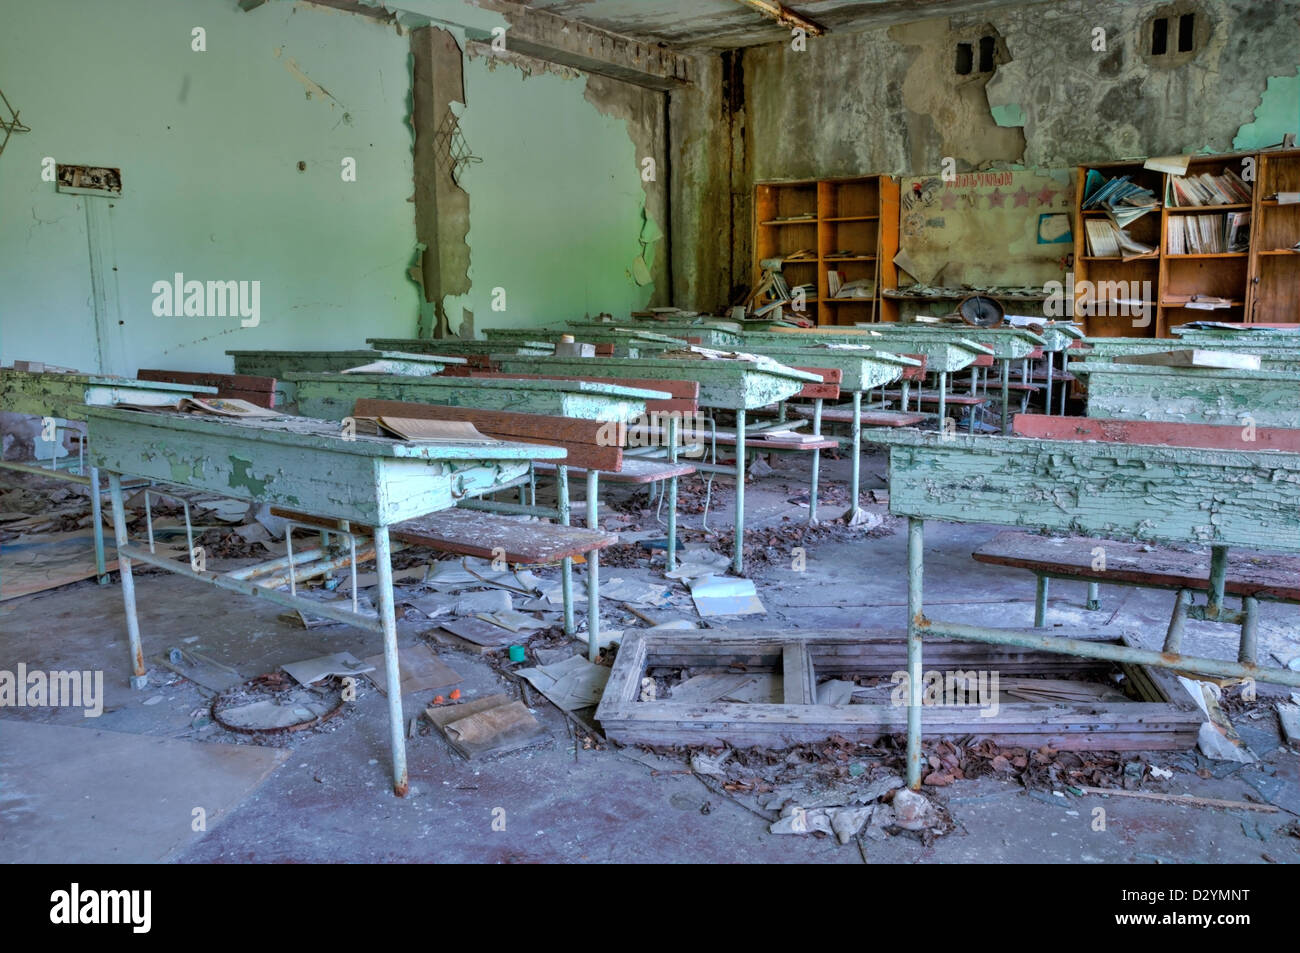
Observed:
{"x":680,"y":431}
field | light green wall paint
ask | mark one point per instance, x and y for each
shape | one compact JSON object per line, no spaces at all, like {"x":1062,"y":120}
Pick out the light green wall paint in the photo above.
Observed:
{"x":1278,"y":114}
{"x":556,"y":204}
{"x":1008,"y":115}
{"x":209,"y":144}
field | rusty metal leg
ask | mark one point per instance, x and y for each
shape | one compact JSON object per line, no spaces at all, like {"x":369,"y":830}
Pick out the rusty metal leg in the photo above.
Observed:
{"x":593,"y":568}
{"x":388,"y":619}
{"x":1177,"y":622}
{"x":915,"y":615}
{"x":1094,"y":596}
{"x":1040,"y":602}
{"x":1249,"y":630}
{"x":1218,"y":577}
{"x":139,"y":677}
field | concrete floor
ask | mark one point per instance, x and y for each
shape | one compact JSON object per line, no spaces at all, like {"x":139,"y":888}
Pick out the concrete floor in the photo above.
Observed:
{"x":324,"y":795}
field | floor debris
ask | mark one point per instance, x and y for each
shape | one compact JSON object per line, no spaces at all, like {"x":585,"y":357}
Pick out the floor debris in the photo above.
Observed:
{"x":487,"y":726}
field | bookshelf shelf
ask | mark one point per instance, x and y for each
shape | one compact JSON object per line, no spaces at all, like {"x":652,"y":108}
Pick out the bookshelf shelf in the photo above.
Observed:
{"x":1260,"y":285}
{"x":858,"y":214}
{"x":1184,"y":209}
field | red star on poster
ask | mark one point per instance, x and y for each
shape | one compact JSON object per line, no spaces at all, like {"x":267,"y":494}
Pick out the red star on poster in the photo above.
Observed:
{"x":1046,"y":196}
{"x":949,"y":200}
{"x":997,"y":199}
{"x":1022,"y":198}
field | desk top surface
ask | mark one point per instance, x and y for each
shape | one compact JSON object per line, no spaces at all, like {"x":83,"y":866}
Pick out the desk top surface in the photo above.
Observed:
{"x":311,"y":433}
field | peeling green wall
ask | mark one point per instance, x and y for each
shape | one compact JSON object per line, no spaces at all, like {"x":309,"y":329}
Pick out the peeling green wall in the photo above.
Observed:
{"x":209,"y":145}
{"x":556,"y":202}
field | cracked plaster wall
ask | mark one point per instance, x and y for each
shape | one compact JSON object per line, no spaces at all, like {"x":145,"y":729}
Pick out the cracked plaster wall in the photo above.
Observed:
{"x":889,"y":100}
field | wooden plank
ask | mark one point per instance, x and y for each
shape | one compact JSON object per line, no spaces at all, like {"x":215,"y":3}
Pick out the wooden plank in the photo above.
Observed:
{"x":1163,"y":433}
{"x":799,"y":683}
{"x":1263,"y":576}
{"x":259,"y":391}
{"x":1193,"y":357}
{"x":487,"y":535}
{"x":582,"y":438}
{"x":829,"y":389}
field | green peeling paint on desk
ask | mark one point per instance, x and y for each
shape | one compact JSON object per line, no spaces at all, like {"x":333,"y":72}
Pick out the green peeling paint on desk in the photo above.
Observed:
{"x":1191,"y":394}
{"x":1091,"y":488}
{"x":305,"y":464}
{"x":332,"y":396}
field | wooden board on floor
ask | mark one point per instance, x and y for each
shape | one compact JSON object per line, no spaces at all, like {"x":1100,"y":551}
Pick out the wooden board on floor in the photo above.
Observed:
{"x":1117,"y":726}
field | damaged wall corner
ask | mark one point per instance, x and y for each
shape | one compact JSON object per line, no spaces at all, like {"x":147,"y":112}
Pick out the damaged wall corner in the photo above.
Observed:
{"x":441,"y":205}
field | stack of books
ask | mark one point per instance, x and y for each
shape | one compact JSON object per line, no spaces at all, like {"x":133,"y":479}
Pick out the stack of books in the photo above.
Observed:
{"x":1206,"y":189}
{"x":1209,"y":234}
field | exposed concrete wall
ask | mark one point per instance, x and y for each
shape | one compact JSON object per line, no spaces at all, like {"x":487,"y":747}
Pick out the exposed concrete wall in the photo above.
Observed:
{"x":890,"y":100}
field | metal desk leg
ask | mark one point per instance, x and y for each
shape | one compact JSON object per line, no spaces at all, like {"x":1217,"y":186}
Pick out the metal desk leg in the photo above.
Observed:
{"x":1051,"y":366}
{"x":738,"y":559}
{"x":974,"y":380}
{"x":1249,"y":630}
{"x":1218,"y":577}
{"x":855,"y":484}
{"x":566,"y":564}
{"x":915,"y":616}
{"x":670,"y":557}
{"x":139,"y":678}
{"x":907,"y":386}
{"x":387,"y":618}
{"x":593,"y":568}
{"x":1040,"y":602}
{"x":97,"y":514}
{"x":1094,"y":596}
{"x":1065,"y":385}
{"x":943,"y":402}
{"x":1177,"y":622}
{"x":816,"y":464}
{"x":1006,"y":397}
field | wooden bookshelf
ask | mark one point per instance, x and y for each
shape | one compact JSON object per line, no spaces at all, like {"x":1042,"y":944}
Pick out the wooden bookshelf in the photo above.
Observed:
{"x":851,"y":226}
{"x":1274,"y":284}
{"x":1261,"y":284}
{"x":1102,"y":272}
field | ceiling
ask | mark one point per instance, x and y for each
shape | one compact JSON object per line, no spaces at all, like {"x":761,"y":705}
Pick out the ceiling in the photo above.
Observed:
{"x":723,"y":24}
